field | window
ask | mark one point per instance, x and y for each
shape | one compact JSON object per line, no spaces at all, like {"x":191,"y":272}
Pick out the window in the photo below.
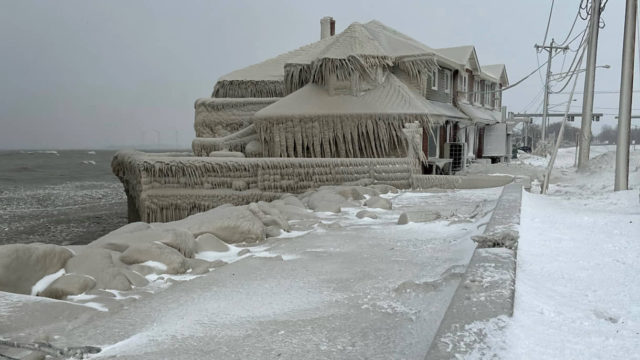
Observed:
{"x":433,"y":137}
{"x":487,"y":93}
{"x":447,"y":81}
{"x":476,"y":91}
{"x":463,"y":82}
{"x":496,"y":99}
{"x":492,"y":95}
{"x":434,"y":79}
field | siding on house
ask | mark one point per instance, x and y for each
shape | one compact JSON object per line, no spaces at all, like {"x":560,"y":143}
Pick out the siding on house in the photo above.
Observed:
{"x":439,"y":94}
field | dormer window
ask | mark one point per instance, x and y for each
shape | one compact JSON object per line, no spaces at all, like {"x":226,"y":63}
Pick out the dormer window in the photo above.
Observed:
{"x":434,"y":79}
{"x":447,"y":81}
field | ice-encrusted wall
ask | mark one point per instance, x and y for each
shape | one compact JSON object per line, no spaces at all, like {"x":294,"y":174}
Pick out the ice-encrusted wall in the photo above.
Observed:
{"x":218,"y":117}
{"x":167,"y":187}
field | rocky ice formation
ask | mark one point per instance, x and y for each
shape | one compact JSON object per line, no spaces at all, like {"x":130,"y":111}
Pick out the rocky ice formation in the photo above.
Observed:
{"x":132,"y":256}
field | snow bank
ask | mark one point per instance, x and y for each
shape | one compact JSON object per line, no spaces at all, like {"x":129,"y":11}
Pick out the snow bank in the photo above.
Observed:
{"x":576,"y":290}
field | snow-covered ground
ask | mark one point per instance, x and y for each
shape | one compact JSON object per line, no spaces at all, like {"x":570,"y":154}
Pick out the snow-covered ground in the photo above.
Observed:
{"x":369,"y":288}
{"x":349,"y":288}
{"x":577,"y":295}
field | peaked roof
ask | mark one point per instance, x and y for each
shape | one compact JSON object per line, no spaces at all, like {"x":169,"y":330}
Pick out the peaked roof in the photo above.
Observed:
{"x":372,"y":38}
{"x":462,"y":55}
{"x":363,"y":48}
{"x":273,"y":69}
{"x":390,"y":97}
{"x":497,"y":71}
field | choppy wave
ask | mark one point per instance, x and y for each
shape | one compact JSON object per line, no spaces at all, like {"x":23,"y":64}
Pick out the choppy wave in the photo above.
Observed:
{"x":52,"y":152}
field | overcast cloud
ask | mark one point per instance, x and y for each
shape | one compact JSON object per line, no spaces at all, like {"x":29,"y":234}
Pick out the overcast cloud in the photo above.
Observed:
{"x":91,"y":74}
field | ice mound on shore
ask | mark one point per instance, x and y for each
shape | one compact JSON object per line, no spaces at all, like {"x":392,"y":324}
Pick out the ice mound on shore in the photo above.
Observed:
{"x":138,"y":255}
{"x":22,"y":266}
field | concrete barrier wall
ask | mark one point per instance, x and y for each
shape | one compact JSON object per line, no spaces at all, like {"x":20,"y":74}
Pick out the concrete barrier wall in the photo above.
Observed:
{"x":486,"y":290}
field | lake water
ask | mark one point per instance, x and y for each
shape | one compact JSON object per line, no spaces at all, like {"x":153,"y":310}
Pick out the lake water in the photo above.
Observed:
{"x":60,"y":197}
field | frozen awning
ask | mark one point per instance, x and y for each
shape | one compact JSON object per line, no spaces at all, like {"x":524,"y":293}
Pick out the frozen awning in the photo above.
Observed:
{"x":481,"y":115}
{"x":440,"y":112}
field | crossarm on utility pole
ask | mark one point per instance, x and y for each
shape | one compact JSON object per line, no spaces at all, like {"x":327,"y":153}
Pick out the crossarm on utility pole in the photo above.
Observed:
{"x":551,"y":49}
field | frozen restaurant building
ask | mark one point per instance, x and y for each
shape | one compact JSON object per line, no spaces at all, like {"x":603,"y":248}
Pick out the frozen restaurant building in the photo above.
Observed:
{"x":369,"y":104}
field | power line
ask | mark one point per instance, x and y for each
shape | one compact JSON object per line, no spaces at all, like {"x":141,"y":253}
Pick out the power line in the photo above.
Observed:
{"x":536,"y":69}
{"x":533,"y":100}
{"x":606,"y":108}
{"x":575,"y":20}
{"x":598,"y":92}
{"x":548,"y":23}
{"x":573,"y":70}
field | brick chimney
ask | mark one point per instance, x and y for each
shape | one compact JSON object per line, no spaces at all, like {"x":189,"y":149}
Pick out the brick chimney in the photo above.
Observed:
{"x":327,"y":27}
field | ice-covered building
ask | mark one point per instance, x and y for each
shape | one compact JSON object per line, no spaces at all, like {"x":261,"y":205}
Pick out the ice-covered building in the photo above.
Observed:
{"x":367,"y":104}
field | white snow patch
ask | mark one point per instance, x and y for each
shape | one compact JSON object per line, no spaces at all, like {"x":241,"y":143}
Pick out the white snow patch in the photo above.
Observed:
{"x":155,"y":278}
{"x":229,"y":256}
{"x":95,"y":305}
{"x":44,"y":283}
{"x":155,"y":264}
{"x":118,"y":295}
{"x":81,"y":297}
{"x":293,"y":234}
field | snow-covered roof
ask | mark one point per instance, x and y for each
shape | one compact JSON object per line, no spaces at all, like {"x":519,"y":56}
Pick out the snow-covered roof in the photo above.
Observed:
{"x":498,"y":72}
{"x":481,"y":115}
{"x":462,"y":55}
{"x":273,"y":69}
{"x":392,"y":96}
{"x":372,"y":38}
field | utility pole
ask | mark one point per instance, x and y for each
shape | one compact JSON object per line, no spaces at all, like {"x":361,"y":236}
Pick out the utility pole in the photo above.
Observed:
{"x":551,"y":49}
{"x":589,"y":83}
{"x":626,"y":96}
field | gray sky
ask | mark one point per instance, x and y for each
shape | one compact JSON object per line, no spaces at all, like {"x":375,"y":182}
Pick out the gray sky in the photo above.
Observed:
{"x":90,"y":74}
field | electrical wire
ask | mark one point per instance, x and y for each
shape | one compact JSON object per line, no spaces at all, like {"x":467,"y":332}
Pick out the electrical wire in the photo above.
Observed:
{"x":573,"y":67}
{"x":544,"y":42}
{"x":575,"y":20}
{"x":570,"y":74}
{"x":539,"y":67}
{"x":601,"y":92}
{"x":533,"y":100}
{"x":603,"y":5}
{"x":586,"y":8}
{"x":546,"y":32}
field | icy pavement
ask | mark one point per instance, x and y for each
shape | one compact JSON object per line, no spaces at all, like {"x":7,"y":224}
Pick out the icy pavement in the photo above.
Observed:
{"x":351,"y":288}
